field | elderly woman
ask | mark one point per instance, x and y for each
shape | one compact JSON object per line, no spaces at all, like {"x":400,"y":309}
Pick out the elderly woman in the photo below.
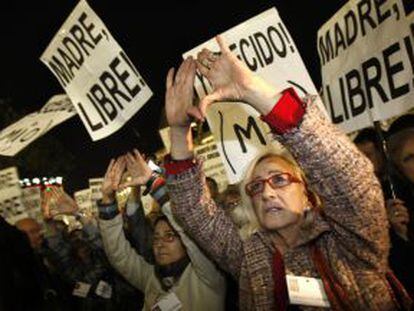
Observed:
{"x":341,"y":248}
{"x":182,"y":278}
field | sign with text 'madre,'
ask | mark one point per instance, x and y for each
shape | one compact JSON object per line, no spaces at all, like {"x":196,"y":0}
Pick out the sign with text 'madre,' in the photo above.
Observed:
{"x":98,"y":76}
{"x":264,"y":44}
{"x":11,"y":206}
{"x":19,"y":135}
{"x":367,"y":62}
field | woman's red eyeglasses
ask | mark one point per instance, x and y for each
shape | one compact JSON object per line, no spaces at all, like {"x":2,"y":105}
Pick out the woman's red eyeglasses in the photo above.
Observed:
{"x":276,"y":181}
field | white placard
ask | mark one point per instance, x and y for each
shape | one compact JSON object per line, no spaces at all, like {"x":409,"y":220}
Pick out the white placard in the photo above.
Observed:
{"x":32,"y":200}
{"x":103,"y":84}
{"x":83,"y":200}
{"x":367,"y":63}
{"x":95,"y":185}
{"x":264,"y":44}
{"x":19,"y":135}
{"x":11,"y":206}
{"x":212,"y":165}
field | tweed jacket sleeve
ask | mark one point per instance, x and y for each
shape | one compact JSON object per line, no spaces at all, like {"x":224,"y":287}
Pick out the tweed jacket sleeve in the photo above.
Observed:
{"x":203,"y":220}
{"x":344,"y":178}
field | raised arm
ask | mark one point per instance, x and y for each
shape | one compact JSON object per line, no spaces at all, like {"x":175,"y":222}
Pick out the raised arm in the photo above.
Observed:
{"x":141,"y":174}
{"x":200,"y":217}
{"x":121,"y":255}
{"x":336,"y":169}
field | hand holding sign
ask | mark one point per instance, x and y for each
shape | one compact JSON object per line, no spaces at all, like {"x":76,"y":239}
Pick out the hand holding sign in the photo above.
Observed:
{"x":112,"y":179}
{"x":232,"y":80}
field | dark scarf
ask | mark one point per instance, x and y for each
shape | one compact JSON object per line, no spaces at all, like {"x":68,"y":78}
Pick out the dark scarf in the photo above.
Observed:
{"x":168,"y":275}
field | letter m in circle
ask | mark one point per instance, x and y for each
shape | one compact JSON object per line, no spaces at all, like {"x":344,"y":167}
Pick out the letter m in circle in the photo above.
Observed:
{"x":243,"y":133}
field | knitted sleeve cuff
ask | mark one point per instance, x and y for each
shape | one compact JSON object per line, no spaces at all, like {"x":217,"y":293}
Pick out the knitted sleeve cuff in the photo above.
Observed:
{"x":287,"y":112}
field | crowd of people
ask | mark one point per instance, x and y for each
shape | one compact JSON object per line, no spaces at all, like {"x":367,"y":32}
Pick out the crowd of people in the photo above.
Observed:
{"x":326,"y":224}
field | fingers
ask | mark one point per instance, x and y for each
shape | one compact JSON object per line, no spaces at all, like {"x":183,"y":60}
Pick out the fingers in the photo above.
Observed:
{"x":170,"y":78}
{"x":205,"y":60}
{"x":182,"y":71}
{"x":207,"y":101}
{"x":140,"y":159}
{"x":222,"y":44}
{"x":190,"y":74}
{"x":109,"y":169}
{"x":129,"y":159}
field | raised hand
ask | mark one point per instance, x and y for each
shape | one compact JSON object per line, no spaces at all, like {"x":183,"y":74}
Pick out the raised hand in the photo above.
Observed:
{"x":179,"y":94}
{"x":112,"y":180}
{"x":65,"y":204}
{"x":232,"y":80}
{"x":178,"y":104}
{"x":138,"y":170}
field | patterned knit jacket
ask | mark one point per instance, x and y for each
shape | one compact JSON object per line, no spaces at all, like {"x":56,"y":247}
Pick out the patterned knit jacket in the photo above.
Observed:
{"x":352,"y":234}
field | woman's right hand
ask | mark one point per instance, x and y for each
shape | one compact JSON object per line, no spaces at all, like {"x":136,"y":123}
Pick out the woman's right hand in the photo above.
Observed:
{"x":112,"y":179}
{"x":232,"y":80}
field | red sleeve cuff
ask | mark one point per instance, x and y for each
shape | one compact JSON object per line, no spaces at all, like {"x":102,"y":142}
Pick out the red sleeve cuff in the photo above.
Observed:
{"x":287,"y":112}
{"x":174,"y":167}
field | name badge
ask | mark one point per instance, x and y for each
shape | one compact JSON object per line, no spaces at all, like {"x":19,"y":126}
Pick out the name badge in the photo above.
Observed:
{"x":306,"y":291}
{"x":104,"y":290}
{"x":168,"y":302}
{"x":81,"y":289}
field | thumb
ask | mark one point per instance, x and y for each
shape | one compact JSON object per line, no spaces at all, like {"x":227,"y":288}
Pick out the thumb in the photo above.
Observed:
{"x":208,"y":100}
{"x":195,"y":112}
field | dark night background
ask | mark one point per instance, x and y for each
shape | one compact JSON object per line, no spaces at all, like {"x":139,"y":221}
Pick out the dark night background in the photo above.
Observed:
{"x":153,"y":34}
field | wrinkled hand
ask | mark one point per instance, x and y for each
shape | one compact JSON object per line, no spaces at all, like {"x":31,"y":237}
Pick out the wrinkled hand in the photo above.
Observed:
{"x":112,"y":179}
{"x":179,"y":94}
{"x":231,"y":80}
{"x":398,"y":216}
{"x":138,"y":170}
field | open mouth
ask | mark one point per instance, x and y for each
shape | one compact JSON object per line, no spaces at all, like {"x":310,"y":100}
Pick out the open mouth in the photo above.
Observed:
{"x":273,"y":209}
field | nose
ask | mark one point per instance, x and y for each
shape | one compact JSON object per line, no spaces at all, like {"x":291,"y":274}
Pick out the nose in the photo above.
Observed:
{"x":268,"y":191}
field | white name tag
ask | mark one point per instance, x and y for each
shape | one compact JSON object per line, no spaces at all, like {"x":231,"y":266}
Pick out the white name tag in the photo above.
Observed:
{"x":306,"y":291}
{"x":81,"y":289}
{"x":104,"y":290}
{"x":168,"y":302}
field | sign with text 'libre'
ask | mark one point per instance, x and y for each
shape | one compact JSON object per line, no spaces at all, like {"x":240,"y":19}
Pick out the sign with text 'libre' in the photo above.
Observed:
{"x":100,"y":79}
{"x":366,"y":52}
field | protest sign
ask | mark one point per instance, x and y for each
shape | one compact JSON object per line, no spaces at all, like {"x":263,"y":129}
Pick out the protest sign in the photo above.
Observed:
{"x":263,"y":43}
{"x":212,"y":165}
{"x":95,"y":185}
{"x":20,"y":134}
{"x":32,"y":200}
{"x":367,"y":62}
{"x":83,"y":200}
{"x":11,"y":205}
{"x":103,"y":84}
